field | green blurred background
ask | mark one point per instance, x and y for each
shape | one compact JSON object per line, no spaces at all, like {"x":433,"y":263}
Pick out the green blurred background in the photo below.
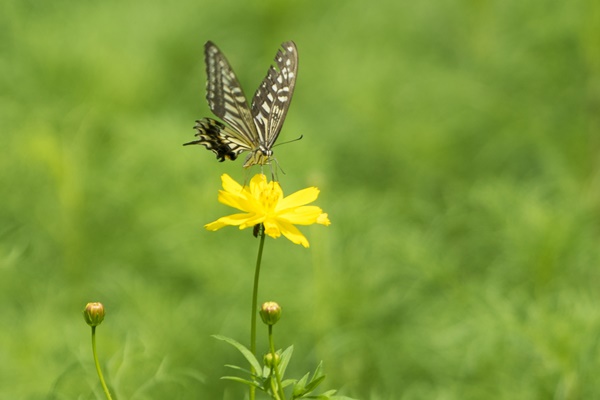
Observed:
{"x":457,"y":148}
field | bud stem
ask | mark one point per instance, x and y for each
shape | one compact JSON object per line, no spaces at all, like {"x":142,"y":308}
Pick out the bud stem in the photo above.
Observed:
{"x":106,"y":392}
{"x":279,"y":394}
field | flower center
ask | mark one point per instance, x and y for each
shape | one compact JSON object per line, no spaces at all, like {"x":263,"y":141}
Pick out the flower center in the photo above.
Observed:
{"x":269,"y":198}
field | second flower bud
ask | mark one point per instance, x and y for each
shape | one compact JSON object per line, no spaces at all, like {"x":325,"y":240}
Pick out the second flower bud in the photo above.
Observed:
{"x":270,"y":312}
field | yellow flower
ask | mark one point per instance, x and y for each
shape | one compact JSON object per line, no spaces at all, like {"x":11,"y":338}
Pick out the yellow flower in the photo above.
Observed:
{"x":263,"y":203}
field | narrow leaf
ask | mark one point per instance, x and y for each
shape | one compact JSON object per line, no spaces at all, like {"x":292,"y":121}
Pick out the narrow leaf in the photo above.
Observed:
{"x":240,"y":380}
{"x":299,"y":387}
{"x":318,"y":372}
{"x":332,"y":392}
{"x":317,"y":378}
{"x":288,"y":382}
{"x":238,"y":368}
{"x":314,"y":383}
{"x":242,"y":349}
{"x":286,"y":356}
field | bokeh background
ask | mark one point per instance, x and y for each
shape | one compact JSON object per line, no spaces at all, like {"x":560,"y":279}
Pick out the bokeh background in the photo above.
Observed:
{"x":456,"y":145}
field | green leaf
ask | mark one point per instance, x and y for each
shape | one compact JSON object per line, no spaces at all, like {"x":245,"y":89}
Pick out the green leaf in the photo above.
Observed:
{"x":317,"y":378}
{"x":323,"y":396}
{"x":331,"y":393}
{"x":300,"y":387}
{"x":266,"y":384}
{"x":288,"y":382}
{"x":242,"y":349}
{"x":314,"y":383}
{"x":239,"y":369}
{"x":318,"y":372}
{"x":342,"y":398}
{"x":241,"y":380}
{"x":266,"y":372}
{"x":286,"y":356}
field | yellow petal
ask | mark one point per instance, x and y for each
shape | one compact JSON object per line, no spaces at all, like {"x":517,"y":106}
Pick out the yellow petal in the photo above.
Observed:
{"x":214,"y":226}
{"x":300,"y":198}
{"x":230,"y":185}
{"x":323,"y":219}
{"x":234,"y":195}
{"x":276,"y":191}
{"x":305,"y":215}
{"x":292,"y":233}
{"x":244,"y":201}
{"x":257,"y":185}
{"x":272,"y":228}
{"x":234,"y":220}
{"x":254,"y":219}
{"x":234,"y":200}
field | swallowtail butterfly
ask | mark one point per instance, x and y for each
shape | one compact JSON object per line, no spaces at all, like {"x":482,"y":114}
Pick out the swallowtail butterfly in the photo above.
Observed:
{"x":254,"y":129}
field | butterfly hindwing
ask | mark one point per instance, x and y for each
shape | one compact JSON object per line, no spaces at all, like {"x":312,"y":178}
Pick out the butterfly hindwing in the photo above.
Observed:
{"x":218,"y":138}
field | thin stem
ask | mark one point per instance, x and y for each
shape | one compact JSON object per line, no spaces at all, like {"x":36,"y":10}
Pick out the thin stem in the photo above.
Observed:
{"x":281,"y":394}
{"x":274,"y":386}
{"x":106,"y":392}
{"x":255,"y":304}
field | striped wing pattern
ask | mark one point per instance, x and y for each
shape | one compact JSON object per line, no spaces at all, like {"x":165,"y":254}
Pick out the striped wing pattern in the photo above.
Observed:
{"x":219,"y":138}
{"x":274,"y":95}
{"x":225,"y":96}
{"x":254,"y":130}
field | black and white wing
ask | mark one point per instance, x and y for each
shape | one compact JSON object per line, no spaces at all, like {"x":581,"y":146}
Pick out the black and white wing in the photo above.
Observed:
{"x":217,"y":137}
{"x":226,"y":98}
{"x":274,"y":95}
{"x":246,"y":129}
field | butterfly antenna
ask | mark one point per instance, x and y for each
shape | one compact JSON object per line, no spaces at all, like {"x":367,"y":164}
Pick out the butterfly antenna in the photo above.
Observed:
{"x":290,"y":141}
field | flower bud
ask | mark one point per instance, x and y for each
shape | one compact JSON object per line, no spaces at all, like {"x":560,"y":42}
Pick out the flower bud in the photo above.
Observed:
{"x":270,"y":312}
{"x":93,"y":314}
{"x":271,"y":362}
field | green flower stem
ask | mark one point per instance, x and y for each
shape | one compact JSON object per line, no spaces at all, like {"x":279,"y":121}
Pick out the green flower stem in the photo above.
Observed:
{"x":281,"y":394}
{"x":255,"y":305}
{"x":106,"y":392}
{"x":274,"y":388}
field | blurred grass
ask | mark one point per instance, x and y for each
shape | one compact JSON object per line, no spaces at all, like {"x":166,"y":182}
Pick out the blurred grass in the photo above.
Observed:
{"x":456,"y":145}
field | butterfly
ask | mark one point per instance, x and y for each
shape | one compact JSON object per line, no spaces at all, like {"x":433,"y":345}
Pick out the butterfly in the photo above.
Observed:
{"x":254,"y":129}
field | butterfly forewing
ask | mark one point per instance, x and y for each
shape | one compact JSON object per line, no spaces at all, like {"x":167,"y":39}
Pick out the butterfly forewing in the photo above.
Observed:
{"x":225,"y":96}
{"x":274,"y":95}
